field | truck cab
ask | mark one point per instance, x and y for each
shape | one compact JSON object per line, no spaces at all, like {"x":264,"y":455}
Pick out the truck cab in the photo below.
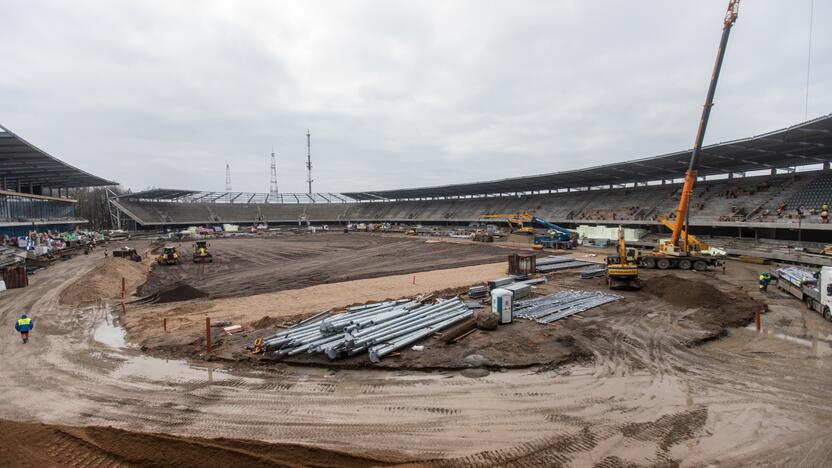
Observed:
{"x":820,"y":295}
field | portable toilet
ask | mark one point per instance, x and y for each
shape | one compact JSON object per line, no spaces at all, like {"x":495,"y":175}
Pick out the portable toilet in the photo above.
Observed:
{"x":501,"y":304}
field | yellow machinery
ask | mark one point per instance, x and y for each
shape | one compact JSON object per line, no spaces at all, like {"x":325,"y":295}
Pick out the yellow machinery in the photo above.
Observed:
{"x":689,"y":242}
{"x":683,"y":250}
{"x":482,"y":236}
{"x":515,"y":221}
{"x":622,"y":270}
{"x":169,"y":256}
{"x":201,"y":253}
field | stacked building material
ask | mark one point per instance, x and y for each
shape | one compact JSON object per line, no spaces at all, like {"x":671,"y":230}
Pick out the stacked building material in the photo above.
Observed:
{"x":475,"y":292}
{"x":552,"y":263}
{"x":796,"y":276}
{"x":594,"y":271}
{"x":551,"y":308}
{"x":498,"y":282}
{"x":9,"y":257}
{"x":377,"y":329}
{"x":518,"y":290}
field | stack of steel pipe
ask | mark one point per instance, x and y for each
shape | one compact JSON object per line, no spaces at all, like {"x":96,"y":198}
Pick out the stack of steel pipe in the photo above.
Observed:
{"x":554,"y":307}
{"x":378,"y":329}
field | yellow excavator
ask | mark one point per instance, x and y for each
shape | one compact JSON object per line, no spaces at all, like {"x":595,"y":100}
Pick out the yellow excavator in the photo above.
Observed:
{"x":682,"y":250}
{"x":169,"y":256}
{"x":622,"y":269}
{"x":515,"y":221}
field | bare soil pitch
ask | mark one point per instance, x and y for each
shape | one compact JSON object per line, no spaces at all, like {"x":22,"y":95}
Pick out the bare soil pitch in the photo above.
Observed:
{"x":249,"y":266}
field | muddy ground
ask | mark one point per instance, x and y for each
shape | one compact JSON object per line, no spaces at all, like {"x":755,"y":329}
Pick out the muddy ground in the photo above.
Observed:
{"x":38,"y":445}
{"x":699,"y":311}
{"x":249,"y":266}
{"x":666,"y":384}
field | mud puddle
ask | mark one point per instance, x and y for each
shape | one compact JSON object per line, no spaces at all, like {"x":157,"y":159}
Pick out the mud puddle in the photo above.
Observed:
{"x":110,"y":332}
{"x":172,"y":371}
{"x":819,"y":346}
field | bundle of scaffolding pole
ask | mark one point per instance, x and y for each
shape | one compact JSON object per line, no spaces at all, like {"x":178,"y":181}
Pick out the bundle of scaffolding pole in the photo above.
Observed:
{"x":376,"y":329}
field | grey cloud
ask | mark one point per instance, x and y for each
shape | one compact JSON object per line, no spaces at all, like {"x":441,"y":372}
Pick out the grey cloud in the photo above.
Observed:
{"x":396,"y":94}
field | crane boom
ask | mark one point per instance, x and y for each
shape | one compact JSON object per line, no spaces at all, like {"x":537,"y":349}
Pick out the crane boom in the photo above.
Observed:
{"x":690,"y":175}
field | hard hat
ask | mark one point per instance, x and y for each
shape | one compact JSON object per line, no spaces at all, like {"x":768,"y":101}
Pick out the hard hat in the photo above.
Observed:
{"x":23,"y":315}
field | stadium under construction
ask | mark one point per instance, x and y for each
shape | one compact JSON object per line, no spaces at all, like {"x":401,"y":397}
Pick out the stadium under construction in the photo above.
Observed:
{"x":767,"y":186}
{"x":671,"y":310}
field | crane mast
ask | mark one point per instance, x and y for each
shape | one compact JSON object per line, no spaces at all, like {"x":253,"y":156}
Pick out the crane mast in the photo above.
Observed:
{"x":682,"y":212}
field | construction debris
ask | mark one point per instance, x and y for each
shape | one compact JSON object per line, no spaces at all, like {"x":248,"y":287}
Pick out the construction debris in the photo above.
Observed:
{"x":377,"y":329}
{"x":551,"y":308}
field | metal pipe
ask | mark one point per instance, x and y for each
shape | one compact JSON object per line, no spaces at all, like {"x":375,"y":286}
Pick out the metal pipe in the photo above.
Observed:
{"x":403,"y":331}
{"x":376,"y":353}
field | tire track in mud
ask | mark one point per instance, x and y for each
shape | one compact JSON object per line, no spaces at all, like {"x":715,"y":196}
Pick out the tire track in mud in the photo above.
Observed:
{"x":635,"y":397}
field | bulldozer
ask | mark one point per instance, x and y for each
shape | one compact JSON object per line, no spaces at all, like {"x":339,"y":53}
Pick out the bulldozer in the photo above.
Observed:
{"x":169,"y":256}
{"x":201,"y":253}
{"x":622,"y":269}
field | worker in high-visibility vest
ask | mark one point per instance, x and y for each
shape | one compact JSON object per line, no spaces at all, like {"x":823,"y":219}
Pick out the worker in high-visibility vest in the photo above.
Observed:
{"x":763,"y":280}
{"x":824,"y":213}
{"x":24,"y":325}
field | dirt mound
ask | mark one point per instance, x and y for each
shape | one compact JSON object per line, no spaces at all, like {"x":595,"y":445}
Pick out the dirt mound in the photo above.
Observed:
{"x":182,"y":292}
{"x":41,"y":445}
{"x":267,"y":321}
{"x":104,"y":282}
{"x":716,"y":308}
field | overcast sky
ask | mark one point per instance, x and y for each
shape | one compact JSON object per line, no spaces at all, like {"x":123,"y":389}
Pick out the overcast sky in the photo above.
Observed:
{"x":396,"y":94}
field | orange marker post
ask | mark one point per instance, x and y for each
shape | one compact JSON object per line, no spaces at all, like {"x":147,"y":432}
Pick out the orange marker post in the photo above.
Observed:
{"x":165,"y":324}
{"x":207,"y":334}
{"x":123,"y":287}
{"x":757,"y":320}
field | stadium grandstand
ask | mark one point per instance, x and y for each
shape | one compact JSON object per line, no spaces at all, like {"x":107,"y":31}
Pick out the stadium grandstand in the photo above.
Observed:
{"x":34,"y":188}
{"x":772,"y":184}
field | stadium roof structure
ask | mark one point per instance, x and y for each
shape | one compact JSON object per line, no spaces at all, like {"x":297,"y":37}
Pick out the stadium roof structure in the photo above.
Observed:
{"x":196,"y":196}
{"x":800,"y":145}
{"x":21,"y":163}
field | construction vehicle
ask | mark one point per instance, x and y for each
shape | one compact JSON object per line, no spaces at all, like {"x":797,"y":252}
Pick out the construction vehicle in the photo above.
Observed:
{"x":515,"y":221}
{"x":127,"y":252}
{"x":556,"y":237}
{"x":816,"y":293}
{"x":622,"y":269}
{"x":201,"y":253}
{"x":481,"y":235}
{"x":682,"y":250}
{"x":169,"y":256}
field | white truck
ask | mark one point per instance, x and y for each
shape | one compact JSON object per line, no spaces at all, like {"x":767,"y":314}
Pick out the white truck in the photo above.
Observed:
{"x":814,"y":289}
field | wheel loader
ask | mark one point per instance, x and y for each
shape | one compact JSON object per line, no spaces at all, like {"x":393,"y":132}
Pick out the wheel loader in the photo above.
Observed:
{"x":169,"y":256}
{"x":201,"y":254}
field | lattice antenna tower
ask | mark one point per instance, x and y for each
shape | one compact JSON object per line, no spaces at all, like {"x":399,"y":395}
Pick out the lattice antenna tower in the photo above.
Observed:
{"x":309,"y":160}
{"x":227,"y":177}
{"x":273,"y":182}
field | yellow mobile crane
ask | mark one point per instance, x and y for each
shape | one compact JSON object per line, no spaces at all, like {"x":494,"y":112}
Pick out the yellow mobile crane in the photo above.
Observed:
{"x":683,"y":250}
